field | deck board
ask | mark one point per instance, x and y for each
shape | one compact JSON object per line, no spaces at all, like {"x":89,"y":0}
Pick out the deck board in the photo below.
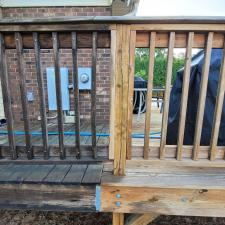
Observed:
{"x":93,"y":174}
{"x":75,"y":175}
{"x":57,"y":174}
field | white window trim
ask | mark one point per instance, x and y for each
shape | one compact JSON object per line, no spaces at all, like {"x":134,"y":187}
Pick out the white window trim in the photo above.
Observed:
{"x":39,"y":3}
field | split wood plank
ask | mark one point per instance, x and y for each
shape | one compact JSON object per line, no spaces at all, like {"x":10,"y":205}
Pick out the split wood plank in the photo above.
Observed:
{"x":149,"y":93}
{"x":184,"y":95}
{"x":202,"y":96}
{"x":167,"y":94}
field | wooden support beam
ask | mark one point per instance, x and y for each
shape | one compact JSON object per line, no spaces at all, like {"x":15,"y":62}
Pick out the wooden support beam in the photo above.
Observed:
{"x":141,"y":219}
{"x":118,"y":219}
{"x":121,"y":105}
{"x":84,"y":40}
{"x":183,"y":200}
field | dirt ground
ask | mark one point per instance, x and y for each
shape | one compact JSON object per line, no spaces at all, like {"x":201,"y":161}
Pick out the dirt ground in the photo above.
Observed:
{"x":57,"y":218}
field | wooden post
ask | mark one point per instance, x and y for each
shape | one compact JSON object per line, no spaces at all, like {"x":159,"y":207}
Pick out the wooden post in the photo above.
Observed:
{"x":120,"y":105}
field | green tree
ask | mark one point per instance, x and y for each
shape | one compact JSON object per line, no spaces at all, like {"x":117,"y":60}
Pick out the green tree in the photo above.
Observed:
{"x":142,"y":61}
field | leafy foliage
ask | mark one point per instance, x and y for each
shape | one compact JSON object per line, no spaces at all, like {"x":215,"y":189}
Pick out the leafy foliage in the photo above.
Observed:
{"x":142,"y":62}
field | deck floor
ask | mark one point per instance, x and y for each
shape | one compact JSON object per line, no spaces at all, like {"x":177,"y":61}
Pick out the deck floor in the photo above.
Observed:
{"x":79,"y":174}
{"x":102,"y":128}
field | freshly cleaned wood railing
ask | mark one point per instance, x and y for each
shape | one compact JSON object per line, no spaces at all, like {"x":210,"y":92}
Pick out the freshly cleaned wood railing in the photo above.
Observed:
{"x":168,"y":34}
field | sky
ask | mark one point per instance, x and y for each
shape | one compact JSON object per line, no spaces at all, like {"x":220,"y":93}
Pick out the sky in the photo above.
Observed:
{"x":181,"y":8}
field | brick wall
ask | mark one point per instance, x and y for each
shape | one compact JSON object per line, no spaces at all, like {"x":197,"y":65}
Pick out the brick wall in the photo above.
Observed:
{"x":84,"y":60}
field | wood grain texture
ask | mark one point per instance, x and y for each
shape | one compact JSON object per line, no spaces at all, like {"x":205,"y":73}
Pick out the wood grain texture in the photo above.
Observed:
{"x":184,"y":95}
{"x":167,"y":94}
{"x":118,"y":219}
{"x":202,"y":96}
{"x":47,"y":197}
{"x":84,"y":40}
{"x":162,"y":40}
{"x":121,"y":98}
{"x":165,"y":201}
{"x":112,"y":93}
{"x":218,"y":110}
{"x":141,"y":219}
{"x":149,"y":93}
{"x":131,"y":92}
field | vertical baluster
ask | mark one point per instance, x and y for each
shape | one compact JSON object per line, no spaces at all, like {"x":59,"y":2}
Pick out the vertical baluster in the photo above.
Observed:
{"x":149,"y":93}
{"x":58,"y":94}
{"x":218,"y":109}
{"x":112,"y":94}
{"x":41,"y":93}
{"x":184,"y":96}
{"x":7,"y":99}
{"x":202,"y":96}
{"x":24,"y":102}
{"x":131,"y":91}
{"x":93,"y":93}
{"x":167,"y":94}
{"x":76,"y":93}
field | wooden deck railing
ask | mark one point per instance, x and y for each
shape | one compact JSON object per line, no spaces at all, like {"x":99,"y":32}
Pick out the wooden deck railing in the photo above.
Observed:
{"x":168,"y":34}
{"x":21,"y":35}
{"x":123,"y":35}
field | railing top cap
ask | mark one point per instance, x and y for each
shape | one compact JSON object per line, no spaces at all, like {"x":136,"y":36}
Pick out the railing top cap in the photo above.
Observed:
{"x":114,"y":19}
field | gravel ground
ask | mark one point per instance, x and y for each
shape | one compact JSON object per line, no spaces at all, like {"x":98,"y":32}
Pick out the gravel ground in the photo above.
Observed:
{"x":56,"y":218}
